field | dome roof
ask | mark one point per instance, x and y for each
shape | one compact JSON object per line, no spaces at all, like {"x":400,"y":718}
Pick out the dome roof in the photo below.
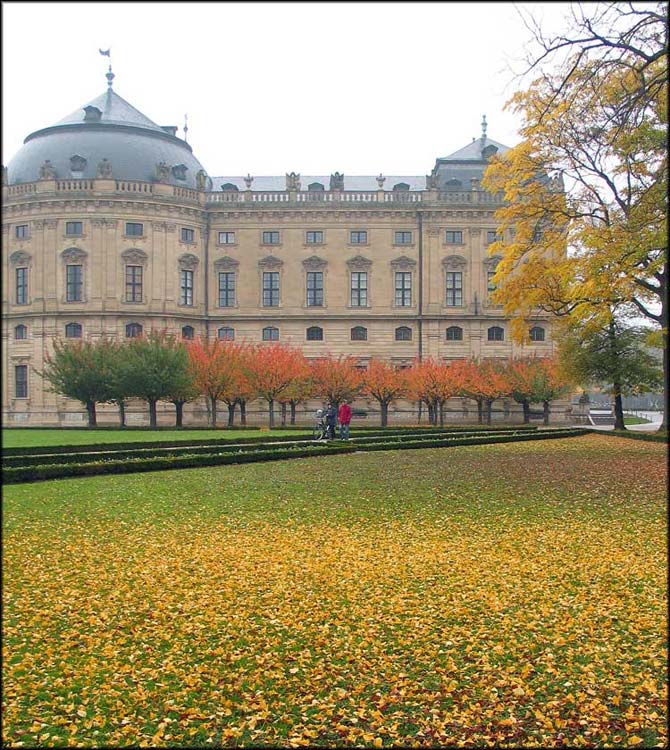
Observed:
{"x":110,"y":128}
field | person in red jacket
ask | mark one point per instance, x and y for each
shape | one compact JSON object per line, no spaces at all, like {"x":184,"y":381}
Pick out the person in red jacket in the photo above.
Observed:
{"x":344,"y":418}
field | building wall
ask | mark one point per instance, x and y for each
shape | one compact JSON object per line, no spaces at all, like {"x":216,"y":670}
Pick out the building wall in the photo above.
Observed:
{"x":105,"y":206}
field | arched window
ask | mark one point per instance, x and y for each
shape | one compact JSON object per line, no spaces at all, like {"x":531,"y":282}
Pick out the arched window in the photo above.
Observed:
{"x":314,"y":333}
{"x":454,"y":333}
{"x":20,"y":332}
{"x":226,"y":334}
{"x":358,"y":333}
{"x":496,"y":333}
{"x":73,"y":331}
{"x":133,"y":330}
{"x":537,"y":333}
{"x":403,"y":333}
{"x":187,"y":332}
{"x":270,"y":333}
{"x":401,"y":186}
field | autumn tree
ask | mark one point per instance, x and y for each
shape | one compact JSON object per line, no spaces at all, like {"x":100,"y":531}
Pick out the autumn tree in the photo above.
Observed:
{"x":486,"y":382}
{"x":384,"y":383}
{"x":300,"y":390}
{"x":435,"y":383}
{"x":615,"y":356}
{"x":336,"y":378}
{"x":214,"y":367}
{"x":82,"y":370}
{"x":271,"y":369}
{"x":584,"y":225}
{"x":152,"y":368}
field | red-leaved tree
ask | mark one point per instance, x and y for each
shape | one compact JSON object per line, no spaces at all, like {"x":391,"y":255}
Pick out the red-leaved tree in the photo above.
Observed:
{"x":385,"y":384}
{"x":214,"y":366}
{"x":336,"y":378}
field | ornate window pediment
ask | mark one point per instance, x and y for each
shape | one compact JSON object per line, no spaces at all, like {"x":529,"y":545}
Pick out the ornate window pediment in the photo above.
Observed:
{"x":74,"y":255}
{"x":226,"y":264}
{"x":454,"y":262}
{"x":77,"y":163}
{"x":20,"y":258}
{"x":491,"y":262}
{"x":270,"y":261}
{"x":134,"y":255}
{"x":179,"y":171}
{"x":188,"y":261}
{"x":359,"y":263}
{"x":403,"y":263}
{"x":314,"y":263}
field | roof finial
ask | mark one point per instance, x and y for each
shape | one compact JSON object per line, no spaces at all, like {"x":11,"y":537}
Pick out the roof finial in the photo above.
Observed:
{"x":483,"y":127}
{"x":109,"y":75}
{"x":185,"y":126}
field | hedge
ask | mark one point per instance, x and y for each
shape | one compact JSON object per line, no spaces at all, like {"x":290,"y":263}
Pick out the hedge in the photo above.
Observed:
{"x":649,"y":437}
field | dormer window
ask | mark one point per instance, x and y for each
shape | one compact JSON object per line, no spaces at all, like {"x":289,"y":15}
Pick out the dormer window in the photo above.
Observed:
{"x":92,"y":114}
{"x":401,"y":186}
{"x":228,"y":186}
{"x":179,"y":171}
{"x":453,"y":184}
{"x":315,"y":186}
{"x":489,"y":151}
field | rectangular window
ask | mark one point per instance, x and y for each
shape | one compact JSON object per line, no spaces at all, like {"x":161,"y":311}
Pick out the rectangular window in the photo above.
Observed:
{"x":403,"y":289}
{"x":226,"y":238}
{"x":227,"y":289}
{"x":21,"y":286}
{"x":358,"y":238}
{"x":134,"y":230}
{"x":187,"y":235}
{"x":454,"y":288}
{"x":73,"y":283}
{"x":271,"y":289}
{"x":491,"y":236}
{"x":490,"y":286}
{"x":314,"y":238}
{"x":315,"y":288}
{"x":21,"y":381}
{"x":359,"y":289}
{"x":133,"y":283}
{"x":186,"y":288}
{"x":74,"y":228}
{"x":403,"y":238}
{"x":22,"y":232}
{"x":453,"y":237}
{"x":270,"y":238}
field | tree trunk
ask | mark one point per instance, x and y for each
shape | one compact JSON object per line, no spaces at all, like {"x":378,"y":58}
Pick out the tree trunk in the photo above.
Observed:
{"x":209,"y":410}
{"x":153,"y":421}
{"x":385,"y":412}
{"x":430,"y":413}
{"x":618,"y":408}
{"x":231,"y":414}
{"x":293,"y":405}
{"x":489,"y":404}
{"x":92,"y":417}
{"x":243,"y":413}
{"x":283,"y":413}
{"x":526,"y":411}
{"x":666,"y":370}
{"x":179,"y":413}
{"x":213,"y":403}
{"x":122,"y":412}
{"x":441,"y":409}
{"x":420,"y":410}
{"x":480,"y":411}
{"x":271,"y":407}
{"x":545,"y":412}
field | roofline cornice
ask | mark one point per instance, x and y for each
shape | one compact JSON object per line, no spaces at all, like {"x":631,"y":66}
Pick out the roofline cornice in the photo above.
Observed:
{"x":105,"y":127}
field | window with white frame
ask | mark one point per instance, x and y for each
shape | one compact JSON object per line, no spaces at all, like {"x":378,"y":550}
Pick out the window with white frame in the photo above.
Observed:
{"x":270,"y":333}
{"x":495,"y":333}
{"x":134,"y":283}
{"x":21,"y":232}
{"x":186,"y":287}
{"x":314,"y":288}
{"x":359,"y":289}
{"x":454,"y":288}
{"x":74,"y":228}
{"x":454,"y":333}
{"x":537,"y":333}
{"x":134,"y":229}
{"x":226,"y":333}
{"x":358,"y":237}
{"x":187,"y":235}
{"x":314,"y":237}
{"x":271,"y":238}
{"x":403,"y":238}
{"x":226,"y":238}
{"x":403,"y":288}
{"x":403,"y":333}
{"x":453,"y":237}
{"x":270,"y":288}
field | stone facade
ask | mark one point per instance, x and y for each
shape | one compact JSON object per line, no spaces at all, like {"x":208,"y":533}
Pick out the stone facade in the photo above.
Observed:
{"x":400,"y":262}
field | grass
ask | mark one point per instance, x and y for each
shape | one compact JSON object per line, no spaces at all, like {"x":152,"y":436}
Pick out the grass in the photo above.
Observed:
{"x":502,"y":595}
{"x":633,"y":419}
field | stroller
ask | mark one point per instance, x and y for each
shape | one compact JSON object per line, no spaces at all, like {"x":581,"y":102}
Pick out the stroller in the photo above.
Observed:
{"x":320,"y":431}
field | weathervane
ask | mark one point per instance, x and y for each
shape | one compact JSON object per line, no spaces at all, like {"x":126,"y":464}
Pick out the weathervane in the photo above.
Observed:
{"x":109,"y":75}
{"x":483,"y":127}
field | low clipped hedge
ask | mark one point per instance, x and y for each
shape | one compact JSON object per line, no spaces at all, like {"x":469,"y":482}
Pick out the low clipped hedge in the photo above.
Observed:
{"x":650,"y":437}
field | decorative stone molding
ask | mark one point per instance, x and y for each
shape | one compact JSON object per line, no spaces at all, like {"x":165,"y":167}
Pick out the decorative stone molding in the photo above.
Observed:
{"x":358,"y":263}
{"x":158,"y":225}
{"x":104,"y":169}
{"x":74,"y":255}
{"x":314,"y":263}
{"x":47,"y":171}
{"x":433,"y":232}
{"x":98,"y":223}
{"x":337,"y":181}
{"x":170,"y":227}
{"x":179,"y":171}
{"x":77,"y":163}
{"x":226,"y":264}
{"x":248,"y":180}
{"x":292,"y":181}
{"x":50,"y":223}
{"x":162,"y":172}
{"x":403,"y":263}
{"x":491,"y":262}
{"x":380,"y":180}
{"x":134,"y":255}
{"x":188,"y":261}
{"x":454,"y":262}
{"x":20,"y":258}
{"x":475,"y":231}
{"x":38,"y":223}
{"x":270,"y":261}
{"x":111,"y":223}
{"x":201,"y":179}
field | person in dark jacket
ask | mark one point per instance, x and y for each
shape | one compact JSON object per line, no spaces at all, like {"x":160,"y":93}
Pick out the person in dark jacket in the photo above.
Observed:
{"x":331,"y":420}
{"x":344,"y":418}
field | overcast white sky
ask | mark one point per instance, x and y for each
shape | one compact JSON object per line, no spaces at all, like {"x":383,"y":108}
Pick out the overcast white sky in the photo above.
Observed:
{"x":271,"y":88}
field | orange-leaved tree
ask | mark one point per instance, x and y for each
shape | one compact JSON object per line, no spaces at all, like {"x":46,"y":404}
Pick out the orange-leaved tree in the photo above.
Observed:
{"x":383,"y":382}
{"x":336,"y":378}
{"x":435,"y":383}
{"x":551,"y":383}
{"x":215,"y":367}
{"x":240,"y":389}
{"x":272,"y":369}
{"x":299,"y":391}
{"x":486,"y":382}
{"x":523,"y":374}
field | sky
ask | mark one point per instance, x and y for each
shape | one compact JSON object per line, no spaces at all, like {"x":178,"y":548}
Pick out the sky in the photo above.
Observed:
{"x":271,"y":88}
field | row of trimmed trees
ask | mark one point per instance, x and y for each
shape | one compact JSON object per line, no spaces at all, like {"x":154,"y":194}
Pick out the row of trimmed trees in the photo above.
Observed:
{"x":159,"y":367}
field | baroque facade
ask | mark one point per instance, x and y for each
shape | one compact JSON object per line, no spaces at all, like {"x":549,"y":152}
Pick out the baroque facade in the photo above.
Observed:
{"x":112,"y":226}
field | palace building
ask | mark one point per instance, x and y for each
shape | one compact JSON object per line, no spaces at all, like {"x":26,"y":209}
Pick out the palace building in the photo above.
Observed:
{"x":112,"y":226}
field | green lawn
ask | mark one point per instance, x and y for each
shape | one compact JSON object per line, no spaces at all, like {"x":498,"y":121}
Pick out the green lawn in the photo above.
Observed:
{"x":632,"y":419}
{"x":24,"y":438}
{"x":485,"y":595}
